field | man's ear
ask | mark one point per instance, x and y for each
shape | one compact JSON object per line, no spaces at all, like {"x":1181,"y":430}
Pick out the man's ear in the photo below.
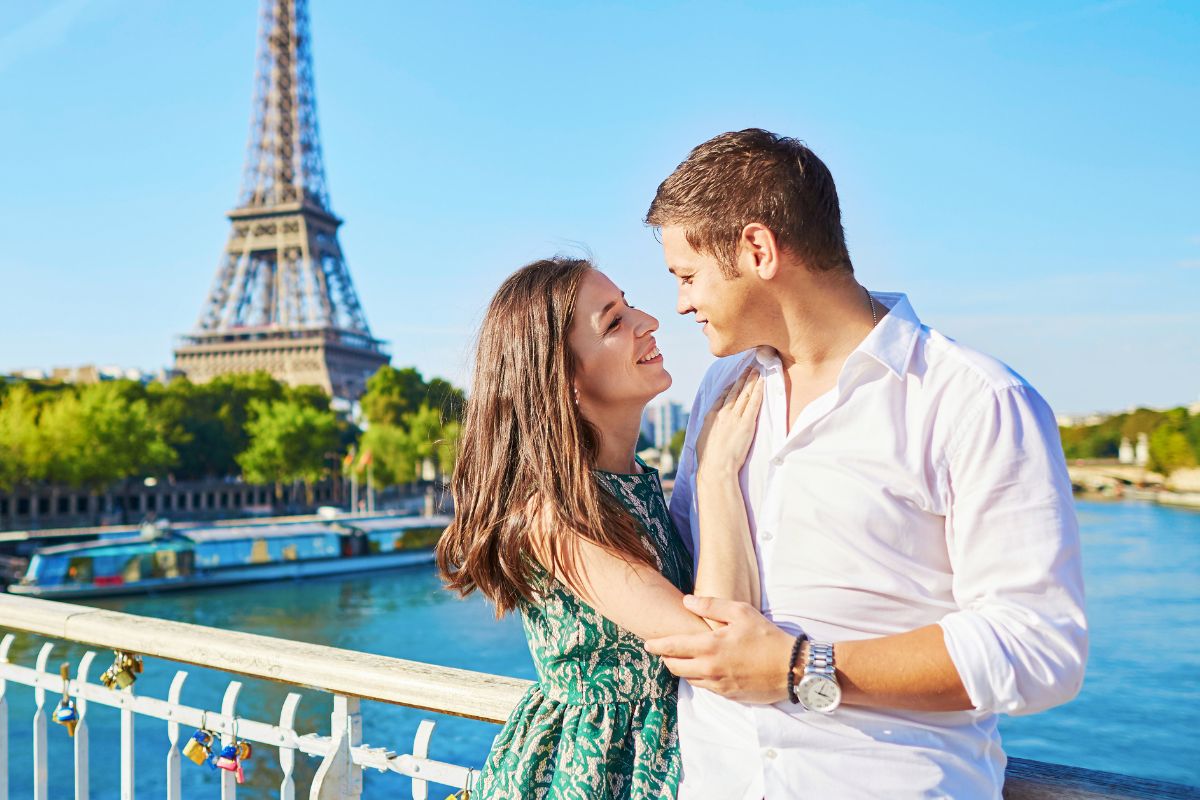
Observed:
{"x":758,"y":251}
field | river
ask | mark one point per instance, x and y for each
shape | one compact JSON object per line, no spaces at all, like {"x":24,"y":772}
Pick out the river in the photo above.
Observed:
{"x":1138,"y":712}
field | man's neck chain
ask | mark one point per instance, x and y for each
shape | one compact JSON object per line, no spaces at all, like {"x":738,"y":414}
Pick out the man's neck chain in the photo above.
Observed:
{"x":871,"y":300}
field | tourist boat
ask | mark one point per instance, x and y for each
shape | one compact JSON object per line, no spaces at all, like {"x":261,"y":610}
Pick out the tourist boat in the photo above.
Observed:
{"x":164,"y":559}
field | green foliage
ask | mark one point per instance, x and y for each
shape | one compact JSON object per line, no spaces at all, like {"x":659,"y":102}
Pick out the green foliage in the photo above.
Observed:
{"x":1169,"y":446}
{"x":1091,"y":441}
{"x":23,"y":456}
{"x":1174,"y":437}
{"x":676,"y":443}
{"x":392,"y":393}
{"x":290,"y":440}
{"x":99,"y":434}
{"x":398,"y":452}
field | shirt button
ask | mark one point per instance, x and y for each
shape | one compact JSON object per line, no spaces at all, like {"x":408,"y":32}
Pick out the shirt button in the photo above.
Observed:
{"x":777,"y":461}
{"x":770,"y":752}
{"x":766,"y":536}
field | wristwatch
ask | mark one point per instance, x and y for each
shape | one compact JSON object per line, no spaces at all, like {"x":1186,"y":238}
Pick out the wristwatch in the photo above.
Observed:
{"x":818,"y":689}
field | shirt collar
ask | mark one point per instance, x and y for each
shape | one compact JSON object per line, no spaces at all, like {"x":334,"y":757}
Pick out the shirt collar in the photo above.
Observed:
{"x":894,"y":339}
{"x":891,"y":343}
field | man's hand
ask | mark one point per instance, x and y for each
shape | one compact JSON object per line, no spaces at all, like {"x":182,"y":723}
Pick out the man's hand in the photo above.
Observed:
{"x":745,"y":659}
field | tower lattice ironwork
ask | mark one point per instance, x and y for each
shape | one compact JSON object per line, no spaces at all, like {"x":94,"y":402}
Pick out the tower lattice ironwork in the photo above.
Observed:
{"x":282,"y":300}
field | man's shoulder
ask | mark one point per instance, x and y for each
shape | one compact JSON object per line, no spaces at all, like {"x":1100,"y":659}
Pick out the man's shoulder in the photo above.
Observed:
{"x":950,"y":362}
{"x":721,"y":373}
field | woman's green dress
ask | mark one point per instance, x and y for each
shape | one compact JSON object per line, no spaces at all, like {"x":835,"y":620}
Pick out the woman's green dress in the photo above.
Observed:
{"x":600,"y":722}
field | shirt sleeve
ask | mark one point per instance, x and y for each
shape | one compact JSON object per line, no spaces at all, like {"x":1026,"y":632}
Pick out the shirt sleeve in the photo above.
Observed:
{"x":1019,"y":639}
{"x":683,"y":496}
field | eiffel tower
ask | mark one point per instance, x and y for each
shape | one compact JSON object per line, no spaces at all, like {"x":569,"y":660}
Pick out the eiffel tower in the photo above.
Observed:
{"x":282,"y":300}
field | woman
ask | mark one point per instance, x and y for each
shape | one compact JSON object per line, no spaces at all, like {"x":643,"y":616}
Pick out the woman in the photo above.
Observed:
{"x":556,"y":516}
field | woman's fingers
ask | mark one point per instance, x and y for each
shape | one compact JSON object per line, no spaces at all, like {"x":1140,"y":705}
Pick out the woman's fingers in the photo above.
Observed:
{"x":735,"y":391}
{"x":750,"y":389}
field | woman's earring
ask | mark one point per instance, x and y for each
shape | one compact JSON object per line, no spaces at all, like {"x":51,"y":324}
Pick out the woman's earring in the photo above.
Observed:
{"x":576,"y":395}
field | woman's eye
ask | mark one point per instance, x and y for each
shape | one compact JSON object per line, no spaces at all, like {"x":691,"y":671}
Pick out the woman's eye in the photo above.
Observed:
{"x":612,"y":326}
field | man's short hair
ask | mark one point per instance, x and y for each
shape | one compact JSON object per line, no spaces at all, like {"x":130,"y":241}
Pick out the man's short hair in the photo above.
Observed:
{"x":748,"y":176}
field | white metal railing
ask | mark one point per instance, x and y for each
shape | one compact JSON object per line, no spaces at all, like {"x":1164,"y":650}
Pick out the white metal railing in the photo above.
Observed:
{"x":348,"y":676}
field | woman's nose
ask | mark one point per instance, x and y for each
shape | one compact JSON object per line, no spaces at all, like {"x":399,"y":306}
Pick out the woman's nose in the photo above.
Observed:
{"x":647,"y":324}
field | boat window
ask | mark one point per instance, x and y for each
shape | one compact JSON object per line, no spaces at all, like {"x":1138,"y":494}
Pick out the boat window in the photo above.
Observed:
{"x":79,"y":570}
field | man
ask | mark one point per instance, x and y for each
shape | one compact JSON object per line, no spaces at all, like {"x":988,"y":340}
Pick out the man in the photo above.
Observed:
{"x":917,"y":542}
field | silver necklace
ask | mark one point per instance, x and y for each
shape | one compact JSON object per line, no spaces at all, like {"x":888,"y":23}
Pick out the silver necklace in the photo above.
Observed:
{"x":871,"y":300}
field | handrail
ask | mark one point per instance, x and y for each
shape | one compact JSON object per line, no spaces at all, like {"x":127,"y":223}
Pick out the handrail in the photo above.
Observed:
{"x":445,"y":690}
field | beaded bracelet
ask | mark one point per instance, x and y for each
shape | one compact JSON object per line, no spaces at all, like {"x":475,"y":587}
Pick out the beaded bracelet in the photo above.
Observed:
{"x":791,"y":682}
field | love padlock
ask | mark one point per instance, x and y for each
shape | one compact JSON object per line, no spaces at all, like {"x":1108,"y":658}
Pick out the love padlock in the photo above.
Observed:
{"x":231,"y":759}
{"x":123,"y":672}
{"x":199,"y":747}
{"x":65,"y":714}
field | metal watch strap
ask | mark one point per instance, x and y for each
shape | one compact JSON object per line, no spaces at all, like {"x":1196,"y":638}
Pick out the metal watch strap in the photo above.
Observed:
{"x":820,"y":660}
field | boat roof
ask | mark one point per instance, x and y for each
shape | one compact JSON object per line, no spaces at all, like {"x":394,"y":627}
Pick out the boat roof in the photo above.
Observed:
{"x":97,"y":544}
{"x":257,"y":531}
{"x":394,"y":523}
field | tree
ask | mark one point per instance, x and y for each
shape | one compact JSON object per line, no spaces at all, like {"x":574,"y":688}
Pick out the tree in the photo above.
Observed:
{"x":676,"y":444}
{"x":399,"y":451}
{"x":23,"y":455}
{"x":206,"y":423}
{"x":391,"y":393}
{"x":289,"y":440}
{"x":392,"y":452}
{"x":1169,"y":446}
{"x":97,"y":435}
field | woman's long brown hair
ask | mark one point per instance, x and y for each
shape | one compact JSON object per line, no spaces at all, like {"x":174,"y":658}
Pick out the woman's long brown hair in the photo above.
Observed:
{"x":523,"y":481}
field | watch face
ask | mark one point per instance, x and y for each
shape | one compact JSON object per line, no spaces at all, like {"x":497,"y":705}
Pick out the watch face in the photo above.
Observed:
{"x":819,"y":693}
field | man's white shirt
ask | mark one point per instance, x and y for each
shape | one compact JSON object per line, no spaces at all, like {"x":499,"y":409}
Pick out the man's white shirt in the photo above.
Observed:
{"x":928,"y":486}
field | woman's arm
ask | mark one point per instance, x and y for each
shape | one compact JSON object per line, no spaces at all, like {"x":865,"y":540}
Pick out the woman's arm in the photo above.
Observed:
{"x":636,"y":596}
{"x":728,"y":564}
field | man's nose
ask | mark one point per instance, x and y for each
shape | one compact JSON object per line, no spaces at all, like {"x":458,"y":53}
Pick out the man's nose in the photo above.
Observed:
{"x":682,"y":304}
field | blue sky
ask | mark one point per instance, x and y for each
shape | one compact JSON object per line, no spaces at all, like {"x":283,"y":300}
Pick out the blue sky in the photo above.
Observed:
{"x":1027,"y":172}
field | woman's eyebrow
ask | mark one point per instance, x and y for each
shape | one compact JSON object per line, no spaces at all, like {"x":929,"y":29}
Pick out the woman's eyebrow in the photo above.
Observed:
{"x":608,"y":306}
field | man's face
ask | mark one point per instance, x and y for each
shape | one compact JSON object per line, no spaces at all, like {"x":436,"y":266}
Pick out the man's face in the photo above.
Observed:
{"x":720,"y":304}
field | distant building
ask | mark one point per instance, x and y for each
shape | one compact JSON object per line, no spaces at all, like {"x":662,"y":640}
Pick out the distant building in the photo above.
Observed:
{"x":1125,"y":455}
{"x":661,"y":420}
{"x":1141,"y":455}
{"x":90,"y":373}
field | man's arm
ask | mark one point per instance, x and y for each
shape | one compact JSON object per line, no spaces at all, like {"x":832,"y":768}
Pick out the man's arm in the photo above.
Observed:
{"x":746,"y":659}
{"x":1018,"y":642}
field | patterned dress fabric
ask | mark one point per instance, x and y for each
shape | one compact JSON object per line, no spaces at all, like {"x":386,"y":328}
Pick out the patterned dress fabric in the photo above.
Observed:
{"x":600,"y":723}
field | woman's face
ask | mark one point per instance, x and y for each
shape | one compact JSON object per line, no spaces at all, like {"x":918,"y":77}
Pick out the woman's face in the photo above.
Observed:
{"x":616,"y":358}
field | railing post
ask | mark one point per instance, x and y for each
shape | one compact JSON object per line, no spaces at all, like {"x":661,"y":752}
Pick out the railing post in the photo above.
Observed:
{"x":338,"y":778}
{"x":420,"y":787}
{"x":128,"y":745}
{"x":41,"y":775}
{"x":5,"y":644}
{"x":174,"y":777}
{"x":228,"y":710}
{"x":287,"y":755}
{"x":82,"y":756}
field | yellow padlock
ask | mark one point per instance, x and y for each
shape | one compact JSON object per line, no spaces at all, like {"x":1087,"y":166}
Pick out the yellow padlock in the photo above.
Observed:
{"x":198,"y":747}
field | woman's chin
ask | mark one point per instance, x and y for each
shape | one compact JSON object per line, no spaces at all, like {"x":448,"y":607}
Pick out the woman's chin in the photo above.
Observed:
{"x":662,"y":384}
